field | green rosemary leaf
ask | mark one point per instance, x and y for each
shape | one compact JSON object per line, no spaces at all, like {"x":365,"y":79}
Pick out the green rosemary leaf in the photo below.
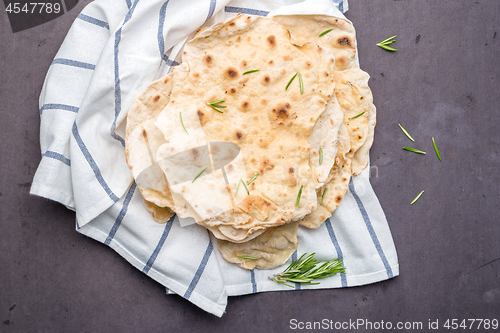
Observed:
{"x":213,"y":107}
{"x":219,"y":106}
{"x":298,"y":196}
{"x":180,"y":115}
{"x":237,"y":188}
{"x":323,"y":196}
{"x":301,"y":84}
{"x":436,"y":149}
{"x":216,"y":102}
{"x":320,"y":155}
{"x":253,"y":178}
{"x":388,"y":48}
{"x":388,"y":39}
{"x":202,"y":171}
{"x":252,"y":71}
{"x":246,"y":188}
{"x":325,"y":32}
{"x":414,"y":150}
{"x":358,"y":115}
{"x":248,"y":257}
{"x":406,"y":133}
{"x":387,"y":43}
{"x":290,"y":82}
{"x":416,"y":198}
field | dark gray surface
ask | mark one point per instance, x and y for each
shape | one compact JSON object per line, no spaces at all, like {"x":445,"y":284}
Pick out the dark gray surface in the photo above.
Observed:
{"x":444,"y":82}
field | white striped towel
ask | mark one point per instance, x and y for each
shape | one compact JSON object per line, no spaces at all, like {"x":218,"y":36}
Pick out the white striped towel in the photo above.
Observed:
{"x":111,"y":53}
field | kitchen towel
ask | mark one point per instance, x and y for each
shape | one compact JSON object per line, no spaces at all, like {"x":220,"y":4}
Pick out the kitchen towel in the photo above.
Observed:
{"x":112,"y":52}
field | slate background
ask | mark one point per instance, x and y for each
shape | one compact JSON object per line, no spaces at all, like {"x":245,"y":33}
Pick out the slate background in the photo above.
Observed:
{"x":443,"y":82}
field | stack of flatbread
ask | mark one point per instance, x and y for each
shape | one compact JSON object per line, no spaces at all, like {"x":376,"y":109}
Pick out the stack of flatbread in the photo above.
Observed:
{"x":257,"y":131}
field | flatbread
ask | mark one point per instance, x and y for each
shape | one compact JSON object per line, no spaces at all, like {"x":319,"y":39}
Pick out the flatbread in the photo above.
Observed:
{"x":271,"y":125}
{"x":271,"y":249}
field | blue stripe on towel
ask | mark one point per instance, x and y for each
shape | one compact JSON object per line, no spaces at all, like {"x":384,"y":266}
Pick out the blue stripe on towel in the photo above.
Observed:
{"x":118,"y":97}
{"x":161,"y":22}
{"x":340,"y":256}
{"x":128,"y":3}
{"x":252,"y":279}
{"x":92,"y":163}
{"x":248,"y":11}
{"x":199,"y":271}
{"x":121,"y":215}
{"x":57,"y":156}
{"x":371,"y":231}
{"x":163,"y":237}
{"x":213,"y":3}
{"x":92,"y":20}
{"x":74,"y":63}
{"x":64,"y":107}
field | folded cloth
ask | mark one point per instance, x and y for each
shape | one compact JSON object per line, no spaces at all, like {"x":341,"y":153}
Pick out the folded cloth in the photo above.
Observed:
{"x":110,"y":55}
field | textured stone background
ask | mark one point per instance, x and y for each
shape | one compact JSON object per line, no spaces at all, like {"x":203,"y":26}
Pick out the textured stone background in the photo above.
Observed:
{"x":444,"y":82}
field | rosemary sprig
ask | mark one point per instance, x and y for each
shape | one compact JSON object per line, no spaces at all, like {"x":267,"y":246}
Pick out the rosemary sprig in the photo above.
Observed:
{"x":290,"y":82}
{"x":252,"y":71}
{"x":325,"y":32}
{"x":414,"y":150}
{"x":436,"y":149}
{"x":198,"y":175}
{"x":298,"y":196}
{"x":180,"y":115}
{"x":416,"y":198}
{"x":406,"y":133}
{"x":305,"y":270}
{"x":253,"y":178}
{"x":248,"y":257}
{"x":301,"y":84}
{"x":384,"y":44}
{"x":215,"y":105}
{"x":358,"y":115}
{"x":320,"y":155}
{"x":323,"y":196}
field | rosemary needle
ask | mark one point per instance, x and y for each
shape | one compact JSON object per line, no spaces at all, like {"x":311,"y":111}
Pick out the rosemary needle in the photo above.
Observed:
{"x":320,"y":155}
{"x":406,"y":133}
{"x":253,"y":178}
{"x":298,"y":196}
{"x":213,"y":107}
{"x":180,"y":115}
{"x":217,"y":102}
{"x":248,"y":257}
{"x":246,"y":188}
{"x":388,"y":48}
{"x":301,"y":84}
{"x":416,"y":198}
{"x":325,"y":32}
{"x":358,"y":115}
{"x":436,"y":149}
{"x":323,"y":196}
{"x":198,"y":175}
{"x":290,"y":82}
{"x":389,"y":40}
{"x":237,"y":188}
{"x":414,"y":150}
{"x":252,"y":71}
